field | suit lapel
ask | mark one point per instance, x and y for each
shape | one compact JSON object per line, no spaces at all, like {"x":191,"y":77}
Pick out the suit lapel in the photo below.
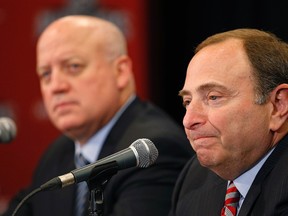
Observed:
{"x":116,"y":139}
{"x":252,"y":195}
{"x":256,"y":186}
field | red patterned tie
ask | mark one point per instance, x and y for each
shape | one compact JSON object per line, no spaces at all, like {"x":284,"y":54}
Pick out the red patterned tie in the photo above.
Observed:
{"x":231,"y":201}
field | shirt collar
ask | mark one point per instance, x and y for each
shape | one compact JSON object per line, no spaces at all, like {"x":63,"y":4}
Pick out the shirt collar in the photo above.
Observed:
{"x":92,"y":148}
{"x":244,"y":181}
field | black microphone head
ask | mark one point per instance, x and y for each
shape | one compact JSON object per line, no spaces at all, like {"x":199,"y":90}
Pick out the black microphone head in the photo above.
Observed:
{"x":7,"y":130}
{"x":146,"y":151}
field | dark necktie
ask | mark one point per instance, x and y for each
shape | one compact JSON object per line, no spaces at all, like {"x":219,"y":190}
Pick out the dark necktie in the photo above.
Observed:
{"x":82,"y":188}
{"x":231,"y":201}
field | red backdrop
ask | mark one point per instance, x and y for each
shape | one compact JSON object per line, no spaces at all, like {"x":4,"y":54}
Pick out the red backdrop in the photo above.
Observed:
{"x":20,"y":99}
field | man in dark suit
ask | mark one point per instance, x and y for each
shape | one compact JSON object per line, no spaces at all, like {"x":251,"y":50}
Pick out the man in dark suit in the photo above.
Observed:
{"x":236,"y":100}
{"x":88,"y":89}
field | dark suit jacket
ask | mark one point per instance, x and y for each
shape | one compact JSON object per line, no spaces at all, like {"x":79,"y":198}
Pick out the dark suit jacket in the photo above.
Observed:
{"x":130,"y":192}
{"x":200,"y":192}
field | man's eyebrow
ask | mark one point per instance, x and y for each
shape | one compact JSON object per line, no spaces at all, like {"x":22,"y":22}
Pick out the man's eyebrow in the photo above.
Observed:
{"x":183,"y":92}
{"x":41,"y":68}
{"x":202,"y":88}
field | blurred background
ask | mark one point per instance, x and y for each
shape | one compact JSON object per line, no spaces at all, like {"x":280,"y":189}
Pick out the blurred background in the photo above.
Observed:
{"x":161,"y":38}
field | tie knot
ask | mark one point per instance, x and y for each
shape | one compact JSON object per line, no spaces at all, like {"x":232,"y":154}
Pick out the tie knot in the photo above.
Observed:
{"x":231,"y":200}
{"x":232,"y":195}
{"x":80,"y":160}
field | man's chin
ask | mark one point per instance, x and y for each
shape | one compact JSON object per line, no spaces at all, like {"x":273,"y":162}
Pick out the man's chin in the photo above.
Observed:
{"x":206,"y":159}
{"x":68,"y":126}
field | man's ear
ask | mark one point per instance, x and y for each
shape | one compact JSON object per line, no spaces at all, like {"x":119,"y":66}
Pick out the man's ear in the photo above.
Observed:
{"x":279,"y":99}
{"x":124,"y":71}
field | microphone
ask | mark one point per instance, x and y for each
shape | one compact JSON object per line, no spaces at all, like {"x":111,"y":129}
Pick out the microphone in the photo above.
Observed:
{"x":7,"y":130}
{"x":141,"y":153}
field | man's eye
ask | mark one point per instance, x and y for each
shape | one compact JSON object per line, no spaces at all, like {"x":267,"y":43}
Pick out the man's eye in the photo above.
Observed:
{"x":186,"y":103}
{"x":75,"y":68}
{"x":44,"y":75}
{"x":213,"y":97}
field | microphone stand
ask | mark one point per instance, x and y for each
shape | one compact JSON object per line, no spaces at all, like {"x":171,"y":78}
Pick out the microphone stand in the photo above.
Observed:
{"x":96,"y":182}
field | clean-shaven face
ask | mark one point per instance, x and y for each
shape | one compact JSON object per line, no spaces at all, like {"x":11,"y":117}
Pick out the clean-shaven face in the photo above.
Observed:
{"x":77,"y":82}
{"x":224,"y":125}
